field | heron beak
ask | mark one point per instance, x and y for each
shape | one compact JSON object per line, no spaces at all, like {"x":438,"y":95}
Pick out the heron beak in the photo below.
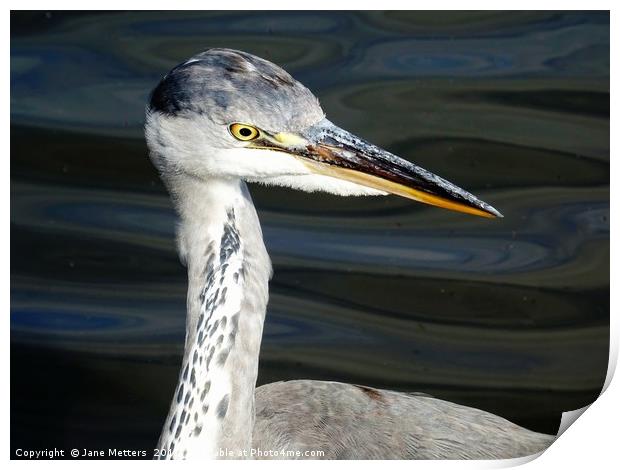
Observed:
{"x":332,"y":151}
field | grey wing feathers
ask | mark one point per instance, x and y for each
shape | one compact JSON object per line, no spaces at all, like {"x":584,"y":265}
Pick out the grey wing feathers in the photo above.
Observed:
{"x":356,"y":422}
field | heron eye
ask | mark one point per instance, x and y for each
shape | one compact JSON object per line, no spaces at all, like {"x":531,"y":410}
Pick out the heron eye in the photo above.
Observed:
{"x":243,"y":131}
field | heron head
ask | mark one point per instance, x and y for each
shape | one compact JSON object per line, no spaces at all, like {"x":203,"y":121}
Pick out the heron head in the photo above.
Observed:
{"x":229,"y":114}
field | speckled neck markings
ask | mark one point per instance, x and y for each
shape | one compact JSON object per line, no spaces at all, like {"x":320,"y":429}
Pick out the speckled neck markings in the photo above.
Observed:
{"x":214,"y":396}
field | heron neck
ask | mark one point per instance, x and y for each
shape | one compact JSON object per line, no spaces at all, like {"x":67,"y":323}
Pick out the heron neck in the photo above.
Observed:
{"x":212,"y":412}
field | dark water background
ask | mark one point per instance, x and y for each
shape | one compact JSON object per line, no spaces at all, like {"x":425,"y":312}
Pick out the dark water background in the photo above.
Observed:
{"x":509,"y":315}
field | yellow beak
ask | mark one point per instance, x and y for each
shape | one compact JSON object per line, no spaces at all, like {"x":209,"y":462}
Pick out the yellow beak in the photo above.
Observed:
{"x":329,"y":150}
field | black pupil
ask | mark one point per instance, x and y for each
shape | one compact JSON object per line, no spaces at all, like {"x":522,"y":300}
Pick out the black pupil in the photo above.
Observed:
{"x":245,"y":132}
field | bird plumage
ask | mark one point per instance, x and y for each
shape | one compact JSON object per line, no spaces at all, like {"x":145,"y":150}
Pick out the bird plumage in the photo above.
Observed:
{"x":193,"y":129}
{"x":347,"y":421}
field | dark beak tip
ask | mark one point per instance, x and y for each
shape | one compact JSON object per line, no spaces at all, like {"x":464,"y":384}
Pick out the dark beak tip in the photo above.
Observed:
{"x":494,"y":212}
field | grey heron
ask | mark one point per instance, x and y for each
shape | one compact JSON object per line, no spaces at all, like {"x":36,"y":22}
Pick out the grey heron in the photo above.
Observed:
{"x":213,"y":123}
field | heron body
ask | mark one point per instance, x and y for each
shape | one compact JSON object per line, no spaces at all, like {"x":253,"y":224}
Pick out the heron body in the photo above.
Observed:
{"x":225,"y":117}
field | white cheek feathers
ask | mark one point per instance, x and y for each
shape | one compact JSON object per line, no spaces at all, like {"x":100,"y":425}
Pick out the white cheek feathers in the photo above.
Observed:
{"x":181,"y":146}
{"x":313,"y":183}
{"x":252,"y":164}
{"x":274,"y":168}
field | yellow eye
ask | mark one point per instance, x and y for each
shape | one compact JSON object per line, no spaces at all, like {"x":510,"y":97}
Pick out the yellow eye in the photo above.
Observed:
{"x":243,"y":131}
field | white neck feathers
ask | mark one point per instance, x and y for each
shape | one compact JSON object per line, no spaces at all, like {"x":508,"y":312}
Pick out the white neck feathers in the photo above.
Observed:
{"x":212,"y":412}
